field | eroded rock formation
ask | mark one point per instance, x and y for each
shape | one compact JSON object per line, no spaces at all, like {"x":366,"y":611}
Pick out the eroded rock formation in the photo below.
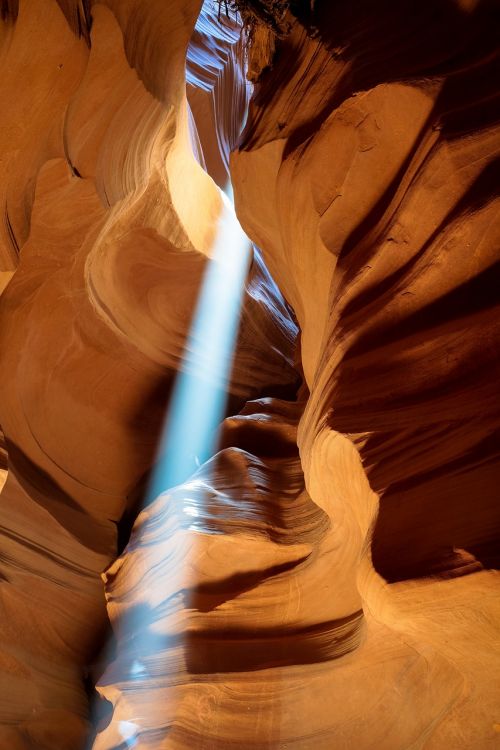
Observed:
{"x":378,"y":153}
{"x":93,"y":324}
{"x":250,"y":607}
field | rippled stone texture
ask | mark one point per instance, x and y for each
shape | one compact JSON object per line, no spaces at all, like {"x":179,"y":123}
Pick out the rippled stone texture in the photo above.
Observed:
{"x":246,"y":610}
{"x":109,"y":223}
{"x":377,"y":151}
{"x":393,"y":268}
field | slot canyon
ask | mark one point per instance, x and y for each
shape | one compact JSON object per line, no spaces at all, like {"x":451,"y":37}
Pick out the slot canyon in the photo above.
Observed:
{"x":250,"y":467}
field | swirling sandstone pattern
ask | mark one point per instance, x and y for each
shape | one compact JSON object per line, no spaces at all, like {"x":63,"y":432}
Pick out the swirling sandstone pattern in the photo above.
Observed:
{"x":108,"y":223}
{"x":393,"y":271}
{"x":246,"y":609}
{"x":378,"y":153}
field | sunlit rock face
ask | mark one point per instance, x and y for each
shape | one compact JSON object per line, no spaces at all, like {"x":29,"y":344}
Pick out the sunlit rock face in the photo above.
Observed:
{"x":245,"y":607}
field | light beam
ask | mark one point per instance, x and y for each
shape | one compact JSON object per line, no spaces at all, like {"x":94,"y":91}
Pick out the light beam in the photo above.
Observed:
{"x":199,"y":394}
{"x":197,"y":403}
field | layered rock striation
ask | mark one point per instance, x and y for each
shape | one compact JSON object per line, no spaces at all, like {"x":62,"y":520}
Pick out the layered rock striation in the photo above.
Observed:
{"x":377,"y":151}
{"x":109,"y":223}
{"x":328,"y":578}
